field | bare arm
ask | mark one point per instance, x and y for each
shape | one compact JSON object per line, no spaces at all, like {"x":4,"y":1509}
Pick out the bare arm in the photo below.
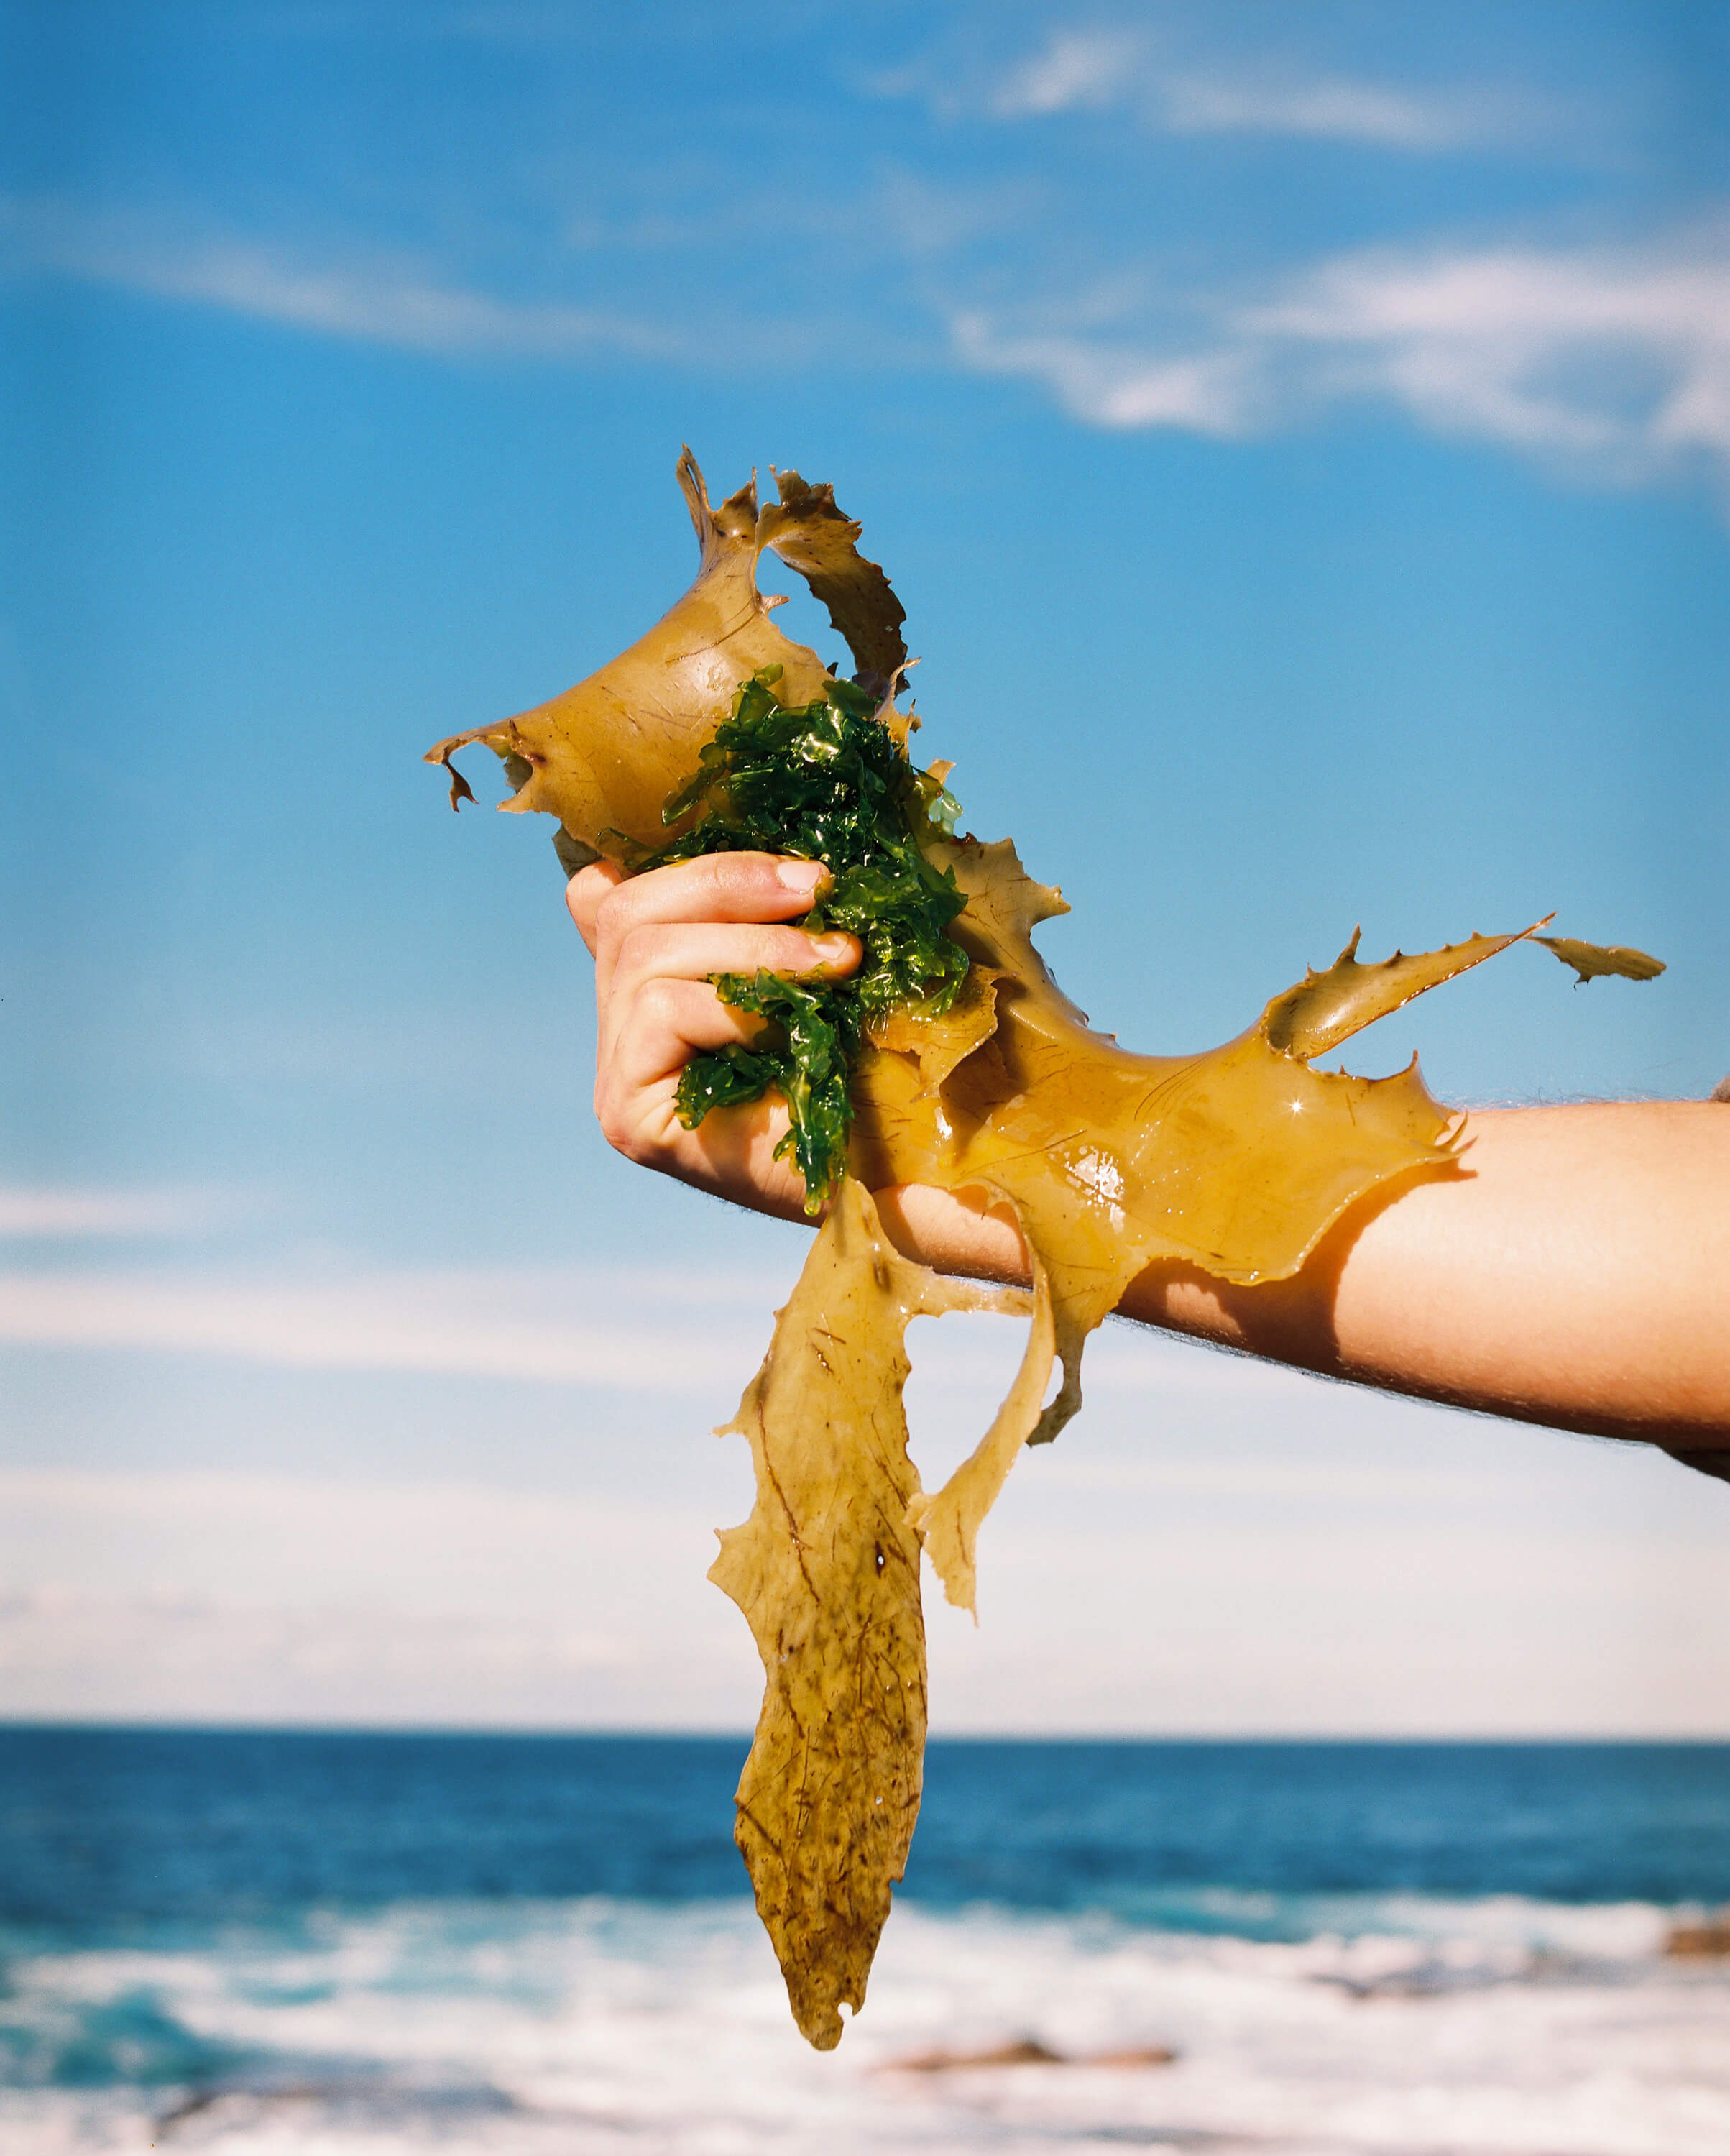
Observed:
{"x":1574,"y":1271}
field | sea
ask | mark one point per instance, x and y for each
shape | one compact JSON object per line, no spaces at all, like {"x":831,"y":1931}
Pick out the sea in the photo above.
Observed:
{"x":355,"y":1944}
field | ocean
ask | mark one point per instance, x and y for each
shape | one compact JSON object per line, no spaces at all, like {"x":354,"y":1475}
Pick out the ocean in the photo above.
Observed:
{"x":289,"y":1944}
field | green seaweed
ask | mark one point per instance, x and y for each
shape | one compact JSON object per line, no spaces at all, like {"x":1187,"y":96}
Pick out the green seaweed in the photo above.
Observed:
{"x":826,"y":781}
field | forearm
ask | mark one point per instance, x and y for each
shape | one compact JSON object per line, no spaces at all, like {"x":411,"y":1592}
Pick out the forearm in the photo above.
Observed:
{"x":1571,"y":1267}
{"x":1574,"y":1271}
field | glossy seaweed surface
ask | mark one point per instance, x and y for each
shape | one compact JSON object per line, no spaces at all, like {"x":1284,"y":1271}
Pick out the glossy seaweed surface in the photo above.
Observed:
{"x":978,"y":1076}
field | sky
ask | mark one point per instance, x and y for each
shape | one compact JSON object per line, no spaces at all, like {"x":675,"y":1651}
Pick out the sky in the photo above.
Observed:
{"x":1301,"y":437}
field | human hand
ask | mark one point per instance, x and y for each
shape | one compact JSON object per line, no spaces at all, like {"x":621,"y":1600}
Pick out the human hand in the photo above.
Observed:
{"x":656,"y":939}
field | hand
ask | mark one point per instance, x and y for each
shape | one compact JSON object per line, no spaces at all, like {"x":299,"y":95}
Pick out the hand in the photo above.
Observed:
{"x":1573,"y":1274}
{"x":656,"y":939}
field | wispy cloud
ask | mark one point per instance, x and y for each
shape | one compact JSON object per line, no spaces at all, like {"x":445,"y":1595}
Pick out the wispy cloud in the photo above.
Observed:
{"x":1610,"y":364}
{"x":679,"y":1335}
{"x":1110,"y":380}
{"x":548,"y":1329}
{"x":1331,"y":109}
{"x":246,"y":1596}
{"x":1613,"y":362}
{"x":1105,"y":68}
{"x":1618,"y":355}
{"x":366,"y":297}
{"x":254,"y":1596}
{"x":1076,"y":68}
{"x":54,"y":1212}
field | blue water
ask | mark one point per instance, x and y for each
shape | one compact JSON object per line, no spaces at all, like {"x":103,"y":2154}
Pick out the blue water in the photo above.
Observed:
{"x":458,"y":1941}
{"x":106,"y":1832}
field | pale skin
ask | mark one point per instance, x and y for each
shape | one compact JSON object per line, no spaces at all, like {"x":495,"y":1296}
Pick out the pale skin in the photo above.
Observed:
{"x":1573,"y":1270}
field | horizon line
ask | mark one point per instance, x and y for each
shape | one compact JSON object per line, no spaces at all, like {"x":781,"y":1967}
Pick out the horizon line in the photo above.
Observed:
{"x":557,"y":1733}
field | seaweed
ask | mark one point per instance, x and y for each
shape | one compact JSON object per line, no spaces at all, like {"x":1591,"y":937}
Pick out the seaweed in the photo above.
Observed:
{"x":827,"y":780}
{"x":952,"y":1060}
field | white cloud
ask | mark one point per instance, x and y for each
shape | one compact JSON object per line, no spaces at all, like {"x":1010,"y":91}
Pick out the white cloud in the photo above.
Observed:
{"x":1108,"y":384}
{"x":1077,"y":68}
{"x":1329,"y":108}
{"x":1618,"y":355}
{"x":670,"y":1335}
{"x":1100,"y":67}
{"x":1608,"y":363}
{"x":1614,"y":363}
{"x":274,"y":1597}
{"x":559,"y":1328}
{"x":180,"y":1541}
{"x":259,"y":1597}
{"x":49,"y":1212}
{"x":371,"y":298}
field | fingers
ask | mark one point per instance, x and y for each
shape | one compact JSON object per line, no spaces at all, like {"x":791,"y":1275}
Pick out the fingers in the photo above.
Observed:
{"x":668,"y":1022}
{"x":608,"y":906}
{"x":694,"y":950}
{"x":658,"y":939}
{"x":659,"y":1008}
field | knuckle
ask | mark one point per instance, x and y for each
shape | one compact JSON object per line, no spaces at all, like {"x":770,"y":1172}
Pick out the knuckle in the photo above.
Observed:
{"x":746,"y":879}
{"x":645,"y":948}
{"x":659,"y":1003}
{"x":614,"y":905}
{"x":628,"y":1142}
{"x":616,"y":1126}
{"x":778,"y":950}
{"x":797,"y":950}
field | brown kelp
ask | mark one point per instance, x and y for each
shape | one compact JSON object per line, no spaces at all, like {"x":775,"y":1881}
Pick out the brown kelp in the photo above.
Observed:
{"x":951,"y":1059}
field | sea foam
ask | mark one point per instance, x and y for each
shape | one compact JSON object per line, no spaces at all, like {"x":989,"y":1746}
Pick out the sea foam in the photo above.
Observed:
{"x":1426,"y":2025}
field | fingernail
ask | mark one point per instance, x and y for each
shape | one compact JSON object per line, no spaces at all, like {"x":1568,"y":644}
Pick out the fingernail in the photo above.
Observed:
{"x":805,"y":877}
{"x":836,"y":947}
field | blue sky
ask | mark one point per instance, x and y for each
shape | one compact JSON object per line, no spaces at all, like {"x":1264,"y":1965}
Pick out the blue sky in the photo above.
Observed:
{"x":1301,"y":436}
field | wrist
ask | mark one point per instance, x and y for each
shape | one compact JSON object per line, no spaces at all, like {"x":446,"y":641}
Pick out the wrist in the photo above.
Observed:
{"x":968,"y":1233}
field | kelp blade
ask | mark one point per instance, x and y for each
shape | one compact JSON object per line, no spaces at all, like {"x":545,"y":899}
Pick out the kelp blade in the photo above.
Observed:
{"x":1595,"y":961}
{"x":1235,"y":1162}
{"x":826,"y":1570}
{"x":603,"y":756}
